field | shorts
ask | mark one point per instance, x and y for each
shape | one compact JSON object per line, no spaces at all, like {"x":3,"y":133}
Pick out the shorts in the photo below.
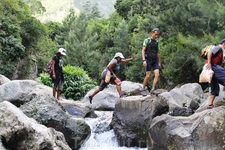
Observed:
{"x":58,"y":85}
{"x":152,"y":64}
{"x":113,"y":80}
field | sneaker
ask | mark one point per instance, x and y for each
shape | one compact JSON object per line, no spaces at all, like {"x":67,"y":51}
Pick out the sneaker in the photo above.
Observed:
{"x":90,"y":99}
{"x":152,"y":91}
{"x":143,"y":93}
{"x":210,"y":106}
{"x":123,"y":95}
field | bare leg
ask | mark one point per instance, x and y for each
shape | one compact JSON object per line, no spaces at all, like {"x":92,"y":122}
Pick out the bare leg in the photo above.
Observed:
{"x":54,"y":91}
{"x":156,"y":78}
{"x":58,"y":94}
{"x":95,"y":92}
{"x":211,"y":99}
{"x":147,"y":76}
{"x":118,"y":87}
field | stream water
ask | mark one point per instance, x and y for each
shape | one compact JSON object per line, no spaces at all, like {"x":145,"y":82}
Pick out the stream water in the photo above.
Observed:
{"x":102,"y":138}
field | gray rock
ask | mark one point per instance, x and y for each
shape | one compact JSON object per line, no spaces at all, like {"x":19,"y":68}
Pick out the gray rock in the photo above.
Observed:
{"x":201,"y":131}
{"x":37,"y":102}
{"x":20,"y":132}
{"x":3,"y":79}
{"x":19,"y":92}
{"x":50,"y":112}
{"x":77,"y":108}
{"x":133,"y":116}
{"x":106,"y":99}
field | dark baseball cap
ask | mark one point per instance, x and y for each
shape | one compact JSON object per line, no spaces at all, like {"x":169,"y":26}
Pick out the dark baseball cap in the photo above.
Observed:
{"x":222,"y":41}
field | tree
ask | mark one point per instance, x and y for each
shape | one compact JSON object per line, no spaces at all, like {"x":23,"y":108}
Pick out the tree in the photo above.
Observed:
{"x":121,"y":44}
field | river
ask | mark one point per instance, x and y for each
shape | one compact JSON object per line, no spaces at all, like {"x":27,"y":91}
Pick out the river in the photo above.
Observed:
{"x":102,"y":138}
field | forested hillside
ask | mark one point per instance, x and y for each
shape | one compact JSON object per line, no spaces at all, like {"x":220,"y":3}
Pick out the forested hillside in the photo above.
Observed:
{"x":57,"y":10}
{"x":106,"y":7}
{"x":91,"y":41}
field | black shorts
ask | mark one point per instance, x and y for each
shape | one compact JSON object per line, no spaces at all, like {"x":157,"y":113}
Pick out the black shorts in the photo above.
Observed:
{"x":152,"y":64}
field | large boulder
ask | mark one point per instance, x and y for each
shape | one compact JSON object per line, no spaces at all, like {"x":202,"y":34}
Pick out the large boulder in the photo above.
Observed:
{"x":50,"y":112}
{"x":201,"y":131}
{"x":3,"y":79}
{"x":186,"y":93}
{"x":132,"y":117}
{"x":218,"y":101}
{"x":185,"y":98}
{"x":77,"y":109}
{"x":19,"y":92}
{"x":19,"y":132}
{"x":106,"y":99}
{"x":37,"y":102}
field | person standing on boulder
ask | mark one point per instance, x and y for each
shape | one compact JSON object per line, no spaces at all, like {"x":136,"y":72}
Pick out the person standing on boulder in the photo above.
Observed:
{"x":151,"y":60}
{"x":57,"y":72}
{"x":214,"y":61}
{"x":109,"y":75}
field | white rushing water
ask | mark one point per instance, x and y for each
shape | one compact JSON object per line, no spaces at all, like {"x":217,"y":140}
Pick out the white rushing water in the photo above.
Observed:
{"x":101,"y":137}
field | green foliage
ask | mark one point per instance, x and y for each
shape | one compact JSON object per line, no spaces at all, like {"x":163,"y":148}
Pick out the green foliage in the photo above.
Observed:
{"x":45,"y":79}
{"x":77,"y":82}
{"x":20,"y":34}
{"x":45,"y":50}
{"x":11,"y":48}
{"x":91,"y":41}
{"x":35,"y":6}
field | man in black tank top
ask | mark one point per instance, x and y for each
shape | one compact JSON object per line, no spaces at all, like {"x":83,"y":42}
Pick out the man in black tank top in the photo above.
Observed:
{"x":151,"y":60}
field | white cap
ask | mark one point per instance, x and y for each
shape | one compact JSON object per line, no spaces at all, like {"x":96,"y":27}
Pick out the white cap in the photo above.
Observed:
{"x":119,"y":55}
{"x":62,"y":51}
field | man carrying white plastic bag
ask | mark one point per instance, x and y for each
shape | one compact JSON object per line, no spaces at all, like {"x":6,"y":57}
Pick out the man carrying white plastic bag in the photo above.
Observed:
{"x":213,"y":62}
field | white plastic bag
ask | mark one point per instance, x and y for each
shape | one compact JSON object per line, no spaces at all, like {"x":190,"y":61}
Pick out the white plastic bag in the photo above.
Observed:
{"x":206,"y":75}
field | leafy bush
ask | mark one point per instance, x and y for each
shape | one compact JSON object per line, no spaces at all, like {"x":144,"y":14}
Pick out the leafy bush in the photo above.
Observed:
{"x":77,"y":82}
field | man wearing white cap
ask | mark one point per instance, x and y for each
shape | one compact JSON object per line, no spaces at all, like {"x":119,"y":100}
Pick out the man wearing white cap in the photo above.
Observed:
{"x":109,"y":75}
{"x":57,"y":72}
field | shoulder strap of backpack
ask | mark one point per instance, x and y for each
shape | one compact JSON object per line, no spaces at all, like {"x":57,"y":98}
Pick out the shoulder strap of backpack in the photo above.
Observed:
{"x":149,"y":40}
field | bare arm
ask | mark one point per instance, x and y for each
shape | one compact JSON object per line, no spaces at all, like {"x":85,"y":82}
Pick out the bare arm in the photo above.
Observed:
{"x":128,"y":59}
{"x":143,"y":56}
{"x":53,"y":69}
{"x":209,"y":57}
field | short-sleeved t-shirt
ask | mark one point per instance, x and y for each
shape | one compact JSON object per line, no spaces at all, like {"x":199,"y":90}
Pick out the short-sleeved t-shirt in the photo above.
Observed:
{"x":58,"y":64}
{"x":152,"y":48}
{"x":146,"y":42}
{"x":116,"y":67}
{"x":217,"y":56}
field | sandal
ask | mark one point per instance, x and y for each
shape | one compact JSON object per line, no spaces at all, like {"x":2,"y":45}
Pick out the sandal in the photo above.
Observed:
{"x":90,"y":99}
{"x":210,"y":106}
{"x":123,"y":95}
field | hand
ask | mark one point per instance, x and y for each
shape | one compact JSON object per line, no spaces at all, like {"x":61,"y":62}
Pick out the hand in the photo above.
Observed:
{"x":54,"y":76}
{"x":134,"y":56}
{"x":159,"y":66}
{"x":144,"y":63}
{"x":209,"y":66}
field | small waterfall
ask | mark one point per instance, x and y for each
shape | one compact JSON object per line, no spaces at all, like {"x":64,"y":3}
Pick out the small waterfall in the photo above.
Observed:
{"x":102,"y":138}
